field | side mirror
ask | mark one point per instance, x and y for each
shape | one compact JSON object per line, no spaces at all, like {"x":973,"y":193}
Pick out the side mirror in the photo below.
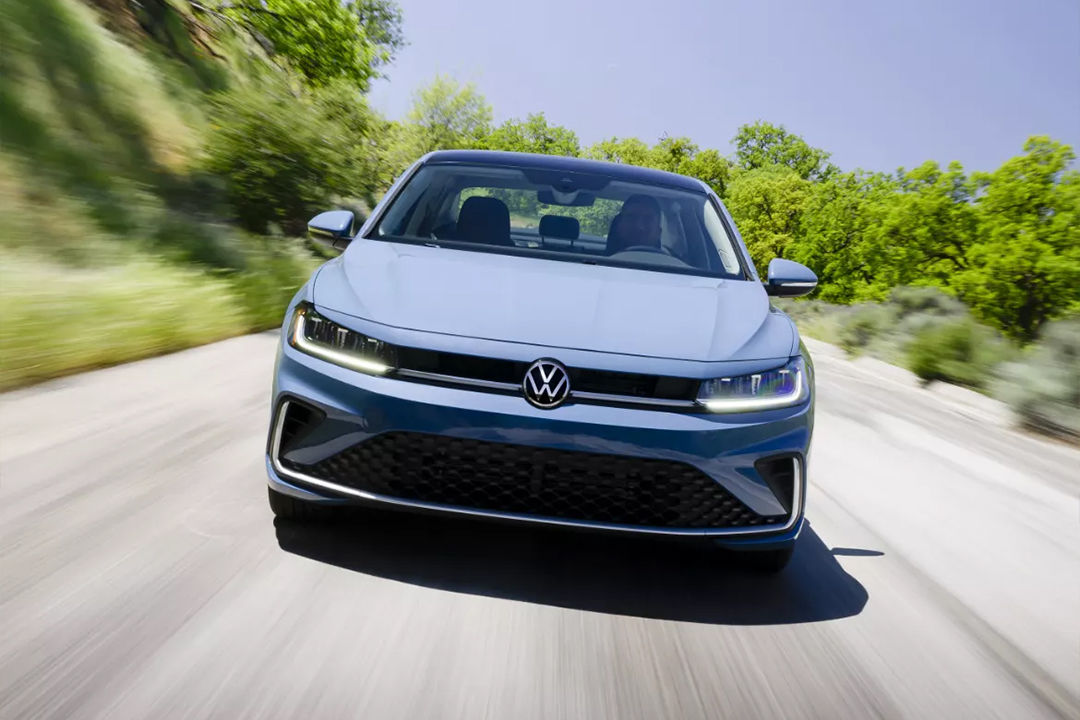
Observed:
{"x":789,"y":279}
{"x":334,"y":229}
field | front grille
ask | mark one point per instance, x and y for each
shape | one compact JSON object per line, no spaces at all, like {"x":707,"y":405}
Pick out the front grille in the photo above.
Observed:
{"x":472,"y":367}
{"x":536,"y":481}
{"x":630,"y":385}
{"x":633,"y":384}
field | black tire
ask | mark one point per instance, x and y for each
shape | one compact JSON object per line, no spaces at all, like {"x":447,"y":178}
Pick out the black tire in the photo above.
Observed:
{"x":766,"y":562}
{"x":287,"y":507}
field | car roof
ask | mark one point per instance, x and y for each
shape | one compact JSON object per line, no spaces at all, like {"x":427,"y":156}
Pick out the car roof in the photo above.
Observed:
{"x":627,"y":173}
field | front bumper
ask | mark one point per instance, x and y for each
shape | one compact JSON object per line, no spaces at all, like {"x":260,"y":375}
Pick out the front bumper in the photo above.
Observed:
{"x":359,"y":407}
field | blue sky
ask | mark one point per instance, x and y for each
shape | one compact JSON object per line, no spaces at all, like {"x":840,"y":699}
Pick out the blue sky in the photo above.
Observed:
{"x":879,"y":84}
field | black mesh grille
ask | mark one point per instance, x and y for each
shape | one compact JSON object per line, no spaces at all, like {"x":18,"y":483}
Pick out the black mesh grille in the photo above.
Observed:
{"x":536,"y":481}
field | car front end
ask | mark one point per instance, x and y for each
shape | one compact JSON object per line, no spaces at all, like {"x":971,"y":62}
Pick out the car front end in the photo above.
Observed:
{"x":457,"y":404}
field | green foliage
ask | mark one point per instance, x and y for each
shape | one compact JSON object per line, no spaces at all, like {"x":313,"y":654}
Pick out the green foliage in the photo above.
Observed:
{"x":885,"y":329}
{"x":62,"y":320}
{"x":380,"y":24}
{"x":85,"y":116}
{"x":673,"y":154}
{"x":762,"y":144}
{"x":930,"y":301}
{"x":767,"y":204}
{"x":865,"y":324}
{"x":1007,"y":243}
{"x":1044,"y":386}
{"x":929,"y":332}
{"x":283,"y":158}
{"x":630,"y":151}
{"x":447,"y":115}
{"x":838,"y":216}
{"x":1024,"y":267}
{"x":815,"y":318}
{"x":324,"y":40}
{"x":534,"y":135}
{"x":114,"y":245}
{"x":958,"y":351}
{"x":864,"y":234}
{"x":100,"y":167}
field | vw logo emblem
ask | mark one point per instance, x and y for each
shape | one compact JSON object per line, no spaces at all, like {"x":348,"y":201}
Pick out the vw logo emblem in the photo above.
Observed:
{"x":546,"y":384}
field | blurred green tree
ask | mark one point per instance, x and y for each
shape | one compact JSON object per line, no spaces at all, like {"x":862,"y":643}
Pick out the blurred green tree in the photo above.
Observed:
{"x":324,"y":40}
{"x":284,"y":158}
{"x":924,"y":228}
{"x":839,"y":216}
{"x":767,"y":204}
{"x":1024,"y":267}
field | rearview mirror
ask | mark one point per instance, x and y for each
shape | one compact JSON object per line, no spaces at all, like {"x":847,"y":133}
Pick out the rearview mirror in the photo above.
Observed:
{"x":575,"y":198}
{"x":789,"y":279}
{"x":334,"y":229}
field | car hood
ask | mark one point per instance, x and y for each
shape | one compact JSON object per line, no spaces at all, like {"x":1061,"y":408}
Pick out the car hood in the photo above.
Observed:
{"x":553,"y":303}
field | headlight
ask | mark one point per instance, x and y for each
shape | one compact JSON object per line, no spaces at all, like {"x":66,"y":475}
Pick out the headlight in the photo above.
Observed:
{"x":766,"y":390}
{"x":315,"y":335}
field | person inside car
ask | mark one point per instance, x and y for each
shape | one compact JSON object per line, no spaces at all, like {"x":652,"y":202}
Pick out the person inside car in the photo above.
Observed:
{"x":636,"y":225}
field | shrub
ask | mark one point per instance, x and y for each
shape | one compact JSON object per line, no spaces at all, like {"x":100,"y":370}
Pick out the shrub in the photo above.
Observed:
{"x":276,"y":268}
{"x":885,"y":329}
{"x":910,"y":300}
{"x":61,"y":320}
{"x":284,"y":156}
{"x":864,"y":324}
{"x":957,"y":350}
{"x":1044,"y":387}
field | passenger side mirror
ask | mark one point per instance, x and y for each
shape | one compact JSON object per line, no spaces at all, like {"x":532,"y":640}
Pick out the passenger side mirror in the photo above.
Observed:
{"x":789,"y":279}
{"x":333,"y":229}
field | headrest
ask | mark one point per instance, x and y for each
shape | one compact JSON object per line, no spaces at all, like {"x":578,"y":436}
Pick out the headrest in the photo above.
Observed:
{"x":559,"y":226}
{"x":484,"y":220}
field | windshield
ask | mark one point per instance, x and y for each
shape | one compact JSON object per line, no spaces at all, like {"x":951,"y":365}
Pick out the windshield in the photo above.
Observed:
{"x":562,"y":216}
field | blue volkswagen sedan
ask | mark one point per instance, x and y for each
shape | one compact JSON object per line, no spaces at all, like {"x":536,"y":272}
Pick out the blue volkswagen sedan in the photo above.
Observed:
{"x":547,"y":340}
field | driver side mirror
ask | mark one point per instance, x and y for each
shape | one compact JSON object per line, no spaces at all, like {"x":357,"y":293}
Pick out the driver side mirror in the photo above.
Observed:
{"x":789,"y":279}
{"x":333,"y":229}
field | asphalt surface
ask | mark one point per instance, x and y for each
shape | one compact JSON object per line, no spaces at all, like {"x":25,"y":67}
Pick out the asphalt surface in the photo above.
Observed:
{"x":142,"y":575}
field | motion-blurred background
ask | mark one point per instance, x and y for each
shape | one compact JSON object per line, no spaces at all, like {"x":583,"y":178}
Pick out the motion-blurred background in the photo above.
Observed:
{"x":159,"y":160}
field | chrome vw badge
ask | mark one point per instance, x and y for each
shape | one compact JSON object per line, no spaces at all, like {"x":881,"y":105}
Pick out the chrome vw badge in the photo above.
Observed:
{"x":546,"y":384}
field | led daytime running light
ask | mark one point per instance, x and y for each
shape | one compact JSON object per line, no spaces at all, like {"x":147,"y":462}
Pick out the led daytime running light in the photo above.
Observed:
{"x":298,"y":339}
{"x":797,"y":394}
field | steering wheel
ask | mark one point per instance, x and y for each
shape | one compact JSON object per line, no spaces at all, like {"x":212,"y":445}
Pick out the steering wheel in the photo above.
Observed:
{"x":647,"y":248}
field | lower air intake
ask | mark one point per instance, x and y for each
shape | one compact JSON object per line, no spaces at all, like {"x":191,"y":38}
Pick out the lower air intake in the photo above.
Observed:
{"x":543,"y":482}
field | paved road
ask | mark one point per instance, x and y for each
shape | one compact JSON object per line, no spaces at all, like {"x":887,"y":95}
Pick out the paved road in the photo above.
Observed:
{"x":141,"y":575}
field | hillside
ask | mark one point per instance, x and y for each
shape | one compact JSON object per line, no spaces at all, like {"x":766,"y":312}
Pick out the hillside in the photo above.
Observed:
{"x":117,"y":244}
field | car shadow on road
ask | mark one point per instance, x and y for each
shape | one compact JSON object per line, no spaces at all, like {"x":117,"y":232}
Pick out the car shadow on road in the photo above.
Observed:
{"x":598,"y":572}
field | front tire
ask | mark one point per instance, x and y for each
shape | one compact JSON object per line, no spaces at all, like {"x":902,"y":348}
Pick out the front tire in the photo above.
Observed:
{"x":293,"y":509}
